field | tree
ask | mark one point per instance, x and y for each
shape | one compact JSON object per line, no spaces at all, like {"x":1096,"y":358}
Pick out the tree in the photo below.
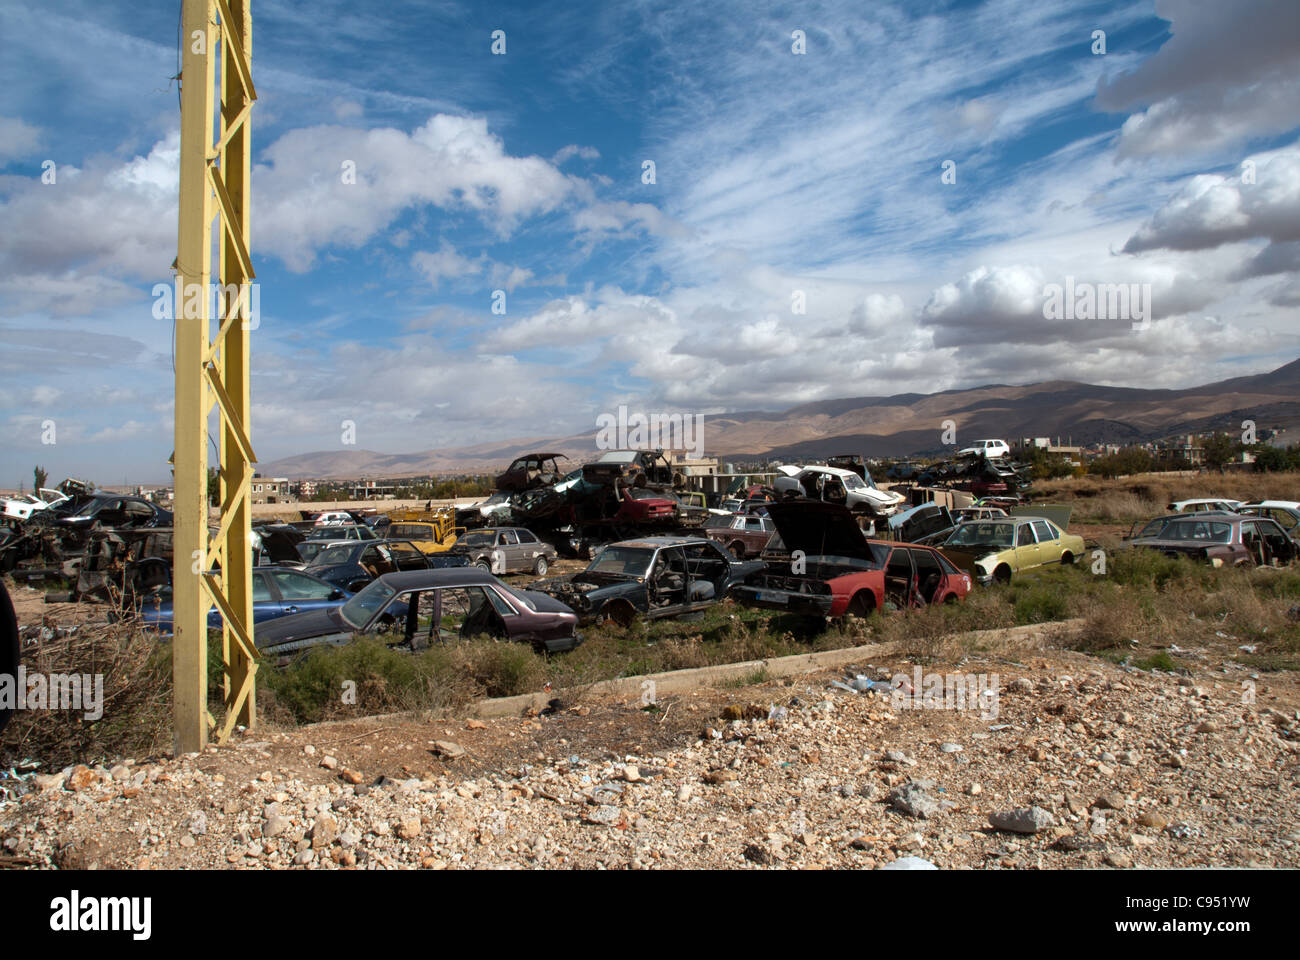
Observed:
{"x":1219,"y":449}
{"x":39,"y":476}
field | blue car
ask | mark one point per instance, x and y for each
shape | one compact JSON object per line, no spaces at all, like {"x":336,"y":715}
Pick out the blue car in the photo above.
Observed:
{"x":277,"y":592}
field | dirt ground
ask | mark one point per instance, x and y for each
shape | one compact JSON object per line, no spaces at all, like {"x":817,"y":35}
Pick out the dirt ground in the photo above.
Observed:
{"x":1126,"y":768}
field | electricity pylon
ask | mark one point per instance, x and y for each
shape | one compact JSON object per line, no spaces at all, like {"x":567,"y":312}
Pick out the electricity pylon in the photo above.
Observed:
{"x":212,"y":370}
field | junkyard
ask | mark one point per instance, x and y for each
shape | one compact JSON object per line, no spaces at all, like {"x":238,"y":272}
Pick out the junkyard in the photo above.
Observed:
{"x":654,"y":438}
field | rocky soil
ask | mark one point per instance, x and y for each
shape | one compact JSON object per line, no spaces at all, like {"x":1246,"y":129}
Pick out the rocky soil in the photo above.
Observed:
{"x":1086,"y":764}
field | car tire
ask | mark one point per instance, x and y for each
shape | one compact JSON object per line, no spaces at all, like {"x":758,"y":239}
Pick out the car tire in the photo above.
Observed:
{"x":540,"y":567}
{"x":863,"y":604}
{"x":483,"y":565}
{"x":737,"y":549}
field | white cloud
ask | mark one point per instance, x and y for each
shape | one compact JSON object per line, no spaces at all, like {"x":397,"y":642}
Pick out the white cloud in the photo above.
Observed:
{"x":18,"y":139}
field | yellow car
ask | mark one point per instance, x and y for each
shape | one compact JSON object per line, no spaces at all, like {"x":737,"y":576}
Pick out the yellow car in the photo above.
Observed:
{"x":993,"y":550}
{"x":432,"y":531}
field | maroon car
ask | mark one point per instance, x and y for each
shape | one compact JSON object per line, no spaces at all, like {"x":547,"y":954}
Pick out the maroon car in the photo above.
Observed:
{"x":1222,"y":539}
{"x":744,"y":536}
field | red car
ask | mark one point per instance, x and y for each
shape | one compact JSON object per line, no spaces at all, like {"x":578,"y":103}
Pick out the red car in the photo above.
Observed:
{"x":645,"y":506}
{"x":821,"y":565}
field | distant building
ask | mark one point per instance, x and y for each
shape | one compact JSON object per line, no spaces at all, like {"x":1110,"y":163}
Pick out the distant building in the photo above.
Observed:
{"x":270,"y":490}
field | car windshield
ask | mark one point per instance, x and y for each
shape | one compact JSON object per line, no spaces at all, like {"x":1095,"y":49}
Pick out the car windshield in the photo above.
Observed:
{"x":983,"y":535}
{"x":618,"y":456}
{"x":358,"y":611}
{"x":854,"y":482}
{"x":495,"y":499}
{"x":477,"y":538}
{"x":332,"y":555}
{"x":623,"y":561}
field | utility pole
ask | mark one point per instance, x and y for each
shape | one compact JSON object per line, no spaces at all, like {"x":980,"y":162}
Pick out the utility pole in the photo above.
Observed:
{"x":213,"y":370}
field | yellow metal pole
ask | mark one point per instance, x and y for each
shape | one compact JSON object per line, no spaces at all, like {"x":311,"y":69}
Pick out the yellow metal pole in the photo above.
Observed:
{"x":236,"y":468}
{"x":194,"y":267}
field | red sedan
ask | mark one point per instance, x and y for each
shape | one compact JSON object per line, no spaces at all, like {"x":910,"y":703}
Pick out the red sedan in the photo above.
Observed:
{"x":820,"y":564}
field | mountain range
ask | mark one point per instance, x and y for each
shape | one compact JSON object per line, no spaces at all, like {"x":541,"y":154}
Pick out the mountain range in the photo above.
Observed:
{"x":907,"y":424}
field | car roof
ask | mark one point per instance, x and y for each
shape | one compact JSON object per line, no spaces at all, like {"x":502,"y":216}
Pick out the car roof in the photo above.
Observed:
{"x":441,"y":577}
{"x":834,"y":471}
{"x":654,"y":542}
{"x":1287,"y":504}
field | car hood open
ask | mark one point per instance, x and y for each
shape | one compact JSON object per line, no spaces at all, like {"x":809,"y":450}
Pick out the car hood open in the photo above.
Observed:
{"x":819,"y":529}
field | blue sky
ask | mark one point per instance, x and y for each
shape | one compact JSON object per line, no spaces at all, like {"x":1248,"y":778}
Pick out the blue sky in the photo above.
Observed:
{"x":777,"y":176}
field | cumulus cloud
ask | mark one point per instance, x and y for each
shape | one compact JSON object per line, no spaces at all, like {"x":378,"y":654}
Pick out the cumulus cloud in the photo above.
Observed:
{"x":18,"y":138}
{"x":1229,"y":72}
{"x":451,"y":162}
{"x":1211,"y":210}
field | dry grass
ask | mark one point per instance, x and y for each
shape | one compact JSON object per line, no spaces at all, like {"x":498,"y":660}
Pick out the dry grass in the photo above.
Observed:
{"x":1147,"y":495}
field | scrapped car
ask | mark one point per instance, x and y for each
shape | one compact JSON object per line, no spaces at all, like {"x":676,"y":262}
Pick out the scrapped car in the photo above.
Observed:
{"x":653,"y":577}
{"x":432,"y":531}
{"x":1202,"y":504}
{"x":742,"y":536}
{"x":420,"y":607}
{"x":837,"y":485}
{"x":502,"y":550}
{"x":341,"y":531}
{"x":978,"y":513}
{"x":631,"y":467}
{"x":922,"y":524}
{"x":353,"y":564}
{"x":987,"y":448}
{"x":277,"y":592}
{"x":995,"y":549}
{"x":495,"y":509}
{"x":641,"y":505}
{"x":531,"y":471}
{"x":24,"y":505}
{"x":820,"y":565}
{"x":276,"y":543}
{"x":692,"y":508}
{"x":1221,"y":539}
{"x":111,"y":510}
{"x":1285,"y":513}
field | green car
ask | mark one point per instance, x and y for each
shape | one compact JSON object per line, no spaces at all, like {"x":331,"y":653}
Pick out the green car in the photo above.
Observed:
{"x":995,"y":549}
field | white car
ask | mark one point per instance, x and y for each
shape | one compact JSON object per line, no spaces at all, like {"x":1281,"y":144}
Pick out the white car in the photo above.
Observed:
{"x":837,"y":485}
{"x":987,"y":448}
{"x":1204,"y":503}
{"x":23,"y":506}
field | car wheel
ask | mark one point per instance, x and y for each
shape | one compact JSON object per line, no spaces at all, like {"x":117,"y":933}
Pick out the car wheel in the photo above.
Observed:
{"x":863,"y":604}
{"x":737,"y":549}
{"x":1002,"y":574}
{"x":622,"y":613}
{"x":483,"y":565}
{"x":540,"y":567}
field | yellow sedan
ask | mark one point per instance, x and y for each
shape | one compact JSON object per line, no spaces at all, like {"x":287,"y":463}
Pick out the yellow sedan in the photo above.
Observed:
{"x":992,"y":550}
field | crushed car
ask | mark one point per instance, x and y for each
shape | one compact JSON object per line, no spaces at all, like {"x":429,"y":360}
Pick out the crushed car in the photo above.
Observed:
{"x":531,"y":471}
{"x":838,"y":485}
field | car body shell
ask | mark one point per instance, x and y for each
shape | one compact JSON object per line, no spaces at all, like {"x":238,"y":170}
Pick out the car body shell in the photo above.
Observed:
{"x":504,"y":550}
{"x":530,"y":471}
{"x":820,"y":565}
{"x":365,"y":560}
{"x":1221,"y":539}
{"x":742,"y":535}
{"x":1034,"y":542}
{"x":651,"y":577}
{"x":393,"y":601}
{"x":838,"y":485}
{"x":277,"y":592}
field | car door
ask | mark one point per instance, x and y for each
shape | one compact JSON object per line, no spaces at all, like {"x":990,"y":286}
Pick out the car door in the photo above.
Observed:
{"x":299,"y":592}
{"x":899,"y":576}
{"x":512,"y":559}
{"x":406,"y":556}
{"x":266,"y":605}
{"x":1049,"y":545}
{"x":1027,"y":552}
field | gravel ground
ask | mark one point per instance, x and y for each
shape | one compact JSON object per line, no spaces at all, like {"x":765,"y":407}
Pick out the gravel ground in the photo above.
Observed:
{"x":1086,"y":764}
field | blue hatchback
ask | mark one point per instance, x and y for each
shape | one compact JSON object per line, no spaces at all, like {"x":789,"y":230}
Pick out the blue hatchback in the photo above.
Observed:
{"x":277,"y":592}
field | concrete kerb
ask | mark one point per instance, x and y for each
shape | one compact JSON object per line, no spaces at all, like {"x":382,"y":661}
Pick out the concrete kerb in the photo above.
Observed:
{"x":682,"y":681}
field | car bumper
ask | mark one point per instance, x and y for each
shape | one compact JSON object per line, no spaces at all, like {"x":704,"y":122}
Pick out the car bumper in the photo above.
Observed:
{"x":805,"y":604}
